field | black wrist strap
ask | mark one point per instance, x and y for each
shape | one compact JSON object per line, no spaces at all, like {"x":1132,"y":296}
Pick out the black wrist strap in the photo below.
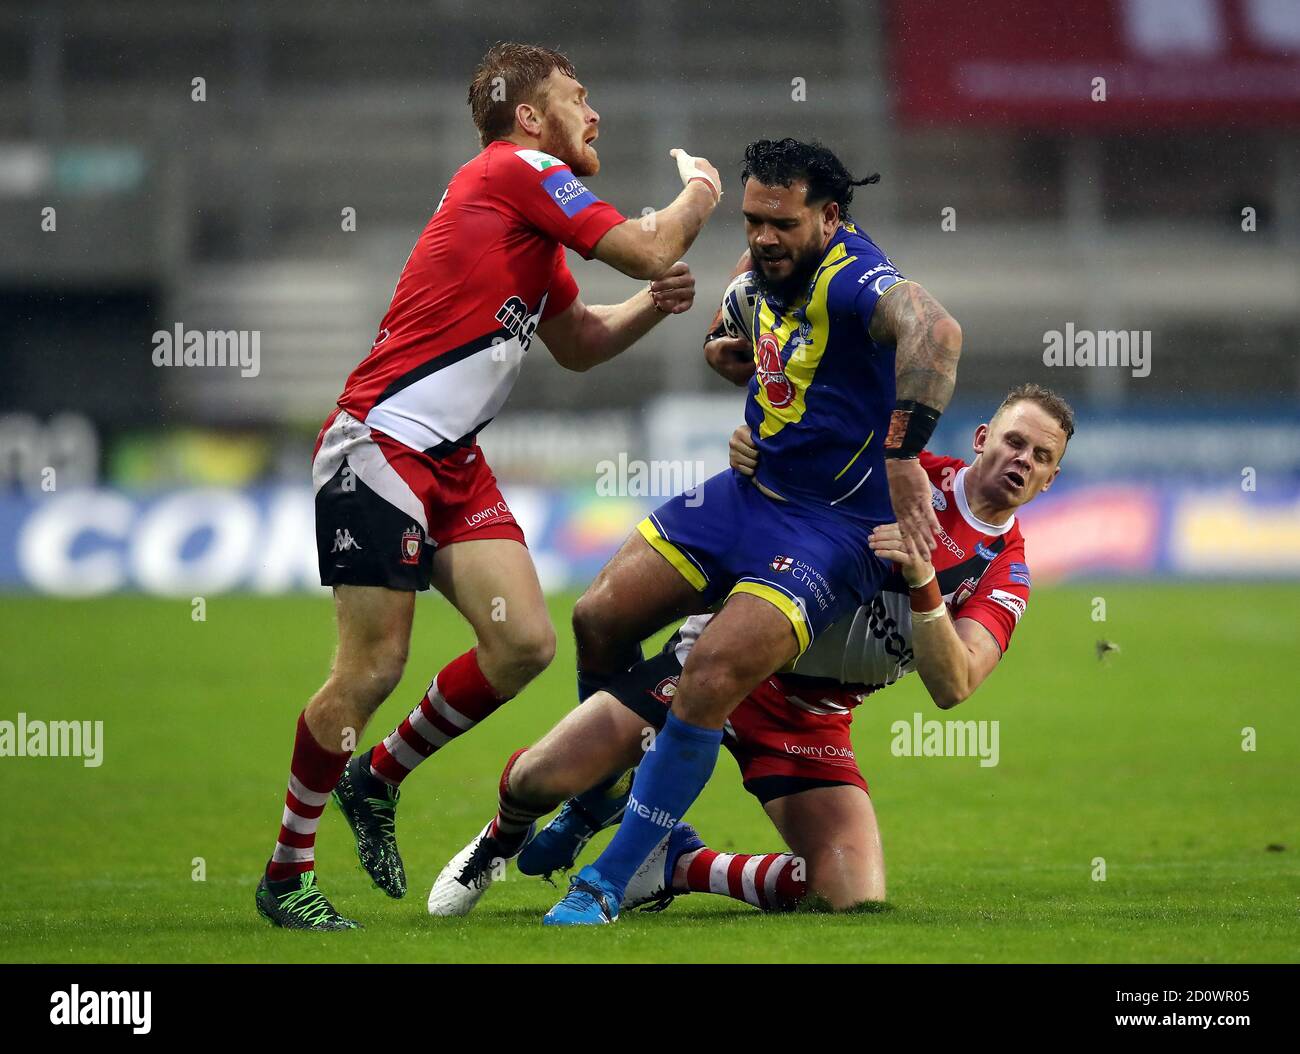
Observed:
{"x":910,"y":427}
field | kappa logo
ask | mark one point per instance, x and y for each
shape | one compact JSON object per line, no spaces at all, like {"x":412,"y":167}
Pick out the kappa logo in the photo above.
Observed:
{"x":781,"y":563}
{"x":946,"y":539}
{"x":412,"y":539}
{"x":343,"y":541}
{"x":771,"y":372}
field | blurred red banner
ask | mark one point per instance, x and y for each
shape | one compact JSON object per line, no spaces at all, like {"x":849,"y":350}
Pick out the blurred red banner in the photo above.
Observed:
{"x":1035,"y":62}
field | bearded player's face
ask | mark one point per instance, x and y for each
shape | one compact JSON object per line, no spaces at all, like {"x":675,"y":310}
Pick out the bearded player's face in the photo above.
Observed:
{"x":786,"y":236}
{"x":570,"y":125}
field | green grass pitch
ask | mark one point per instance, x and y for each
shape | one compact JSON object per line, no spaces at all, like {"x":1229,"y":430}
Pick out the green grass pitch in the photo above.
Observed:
{"x":1137,"y":760}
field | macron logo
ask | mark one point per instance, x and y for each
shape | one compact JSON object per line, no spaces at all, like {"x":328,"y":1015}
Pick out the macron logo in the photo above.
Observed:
{"x":658,"y":817}
{"x":102,"y":1008}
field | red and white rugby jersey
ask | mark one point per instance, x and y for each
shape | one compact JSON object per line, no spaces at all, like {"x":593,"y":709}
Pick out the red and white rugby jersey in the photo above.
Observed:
{"x":487,"y":268}
{"x":982,"y":574}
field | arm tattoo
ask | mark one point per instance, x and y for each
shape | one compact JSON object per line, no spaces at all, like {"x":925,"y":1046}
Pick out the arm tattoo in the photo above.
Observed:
{"x":927,"y":340}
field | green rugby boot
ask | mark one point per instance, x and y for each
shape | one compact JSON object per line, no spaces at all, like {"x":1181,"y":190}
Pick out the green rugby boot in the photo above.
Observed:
{"x":298,"y":904}
{"x":370,"y":807}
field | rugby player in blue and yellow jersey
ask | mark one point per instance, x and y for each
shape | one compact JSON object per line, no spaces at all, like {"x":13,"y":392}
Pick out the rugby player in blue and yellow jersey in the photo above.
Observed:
{"x":853,"y":365}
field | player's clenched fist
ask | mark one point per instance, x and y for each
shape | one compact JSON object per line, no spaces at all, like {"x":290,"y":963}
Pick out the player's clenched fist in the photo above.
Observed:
{"x":674,"y":291}
{"x":744,"y":455}
{"x":690,"y":167}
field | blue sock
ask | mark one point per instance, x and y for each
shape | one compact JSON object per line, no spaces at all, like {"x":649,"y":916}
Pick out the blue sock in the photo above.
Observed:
{"x":667,"y":783}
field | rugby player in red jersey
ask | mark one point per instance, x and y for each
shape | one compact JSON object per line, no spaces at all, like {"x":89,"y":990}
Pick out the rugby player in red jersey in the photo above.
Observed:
{"x":404,"y":498}
{"x":948,"y":615}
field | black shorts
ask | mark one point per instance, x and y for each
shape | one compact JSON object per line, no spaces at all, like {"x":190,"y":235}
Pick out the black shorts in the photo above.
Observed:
{"x":362,"y":540}
{"x":648,"y":688}
{"x":383,"y":508}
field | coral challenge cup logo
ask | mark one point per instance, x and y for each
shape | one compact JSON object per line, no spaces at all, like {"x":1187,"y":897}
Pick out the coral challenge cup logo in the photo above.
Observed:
{"x":771,"y":372}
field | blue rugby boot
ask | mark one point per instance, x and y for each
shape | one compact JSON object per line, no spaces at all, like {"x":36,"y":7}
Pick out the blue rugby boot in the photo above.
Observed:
{"x":557,"y":845}
{"x":590,"y":901}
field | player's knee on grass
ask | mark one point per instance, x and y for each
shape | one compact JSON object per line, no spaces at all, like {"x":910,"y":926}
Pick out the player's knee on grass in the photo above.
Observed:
{"x":841,"y":878}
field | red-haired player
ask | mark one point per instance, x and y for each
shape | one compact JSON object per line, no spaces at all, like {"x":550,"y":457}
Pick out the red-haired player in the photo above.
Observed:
{"x":404,"y":498}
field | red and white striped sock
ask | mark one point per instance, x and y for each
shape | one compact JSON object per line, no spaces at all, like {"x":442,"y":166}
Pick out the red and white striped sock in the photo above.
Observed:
{"x":513,"y":817}
{"x":312,"y":775}
{"x":773,"y":882}
{"x":458,"y":699}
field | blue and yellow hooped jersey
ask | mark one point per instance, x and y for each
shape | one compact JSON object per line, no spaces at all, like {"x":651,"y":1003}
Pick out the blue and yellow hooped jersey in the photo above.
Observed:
{"x":823,"y":390}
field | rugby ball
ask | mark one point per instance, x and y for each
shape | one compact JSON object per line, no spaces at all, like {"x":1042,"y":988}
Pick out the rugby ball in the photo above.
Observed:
{"x":738,"y":306}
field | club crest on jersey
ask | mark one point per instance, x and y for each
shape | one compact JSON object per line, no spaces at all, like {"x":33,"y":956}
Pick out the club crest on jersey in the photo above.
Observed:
{"x":803,"y":335}
{"x":411,"y":541}
{"x":964,"y":592}
{"x":937,"y":498}
{"x":781,"y":563}
{"x":665,"y":690}
{"x":771,"y":372}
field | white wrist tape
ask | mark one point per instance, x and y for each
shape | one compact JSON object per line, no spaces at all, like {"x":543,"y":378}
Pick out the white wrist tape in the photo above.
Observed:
{"x":930,"y":616}
{"x":924,"y":582}
{"x":688,"y":168}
